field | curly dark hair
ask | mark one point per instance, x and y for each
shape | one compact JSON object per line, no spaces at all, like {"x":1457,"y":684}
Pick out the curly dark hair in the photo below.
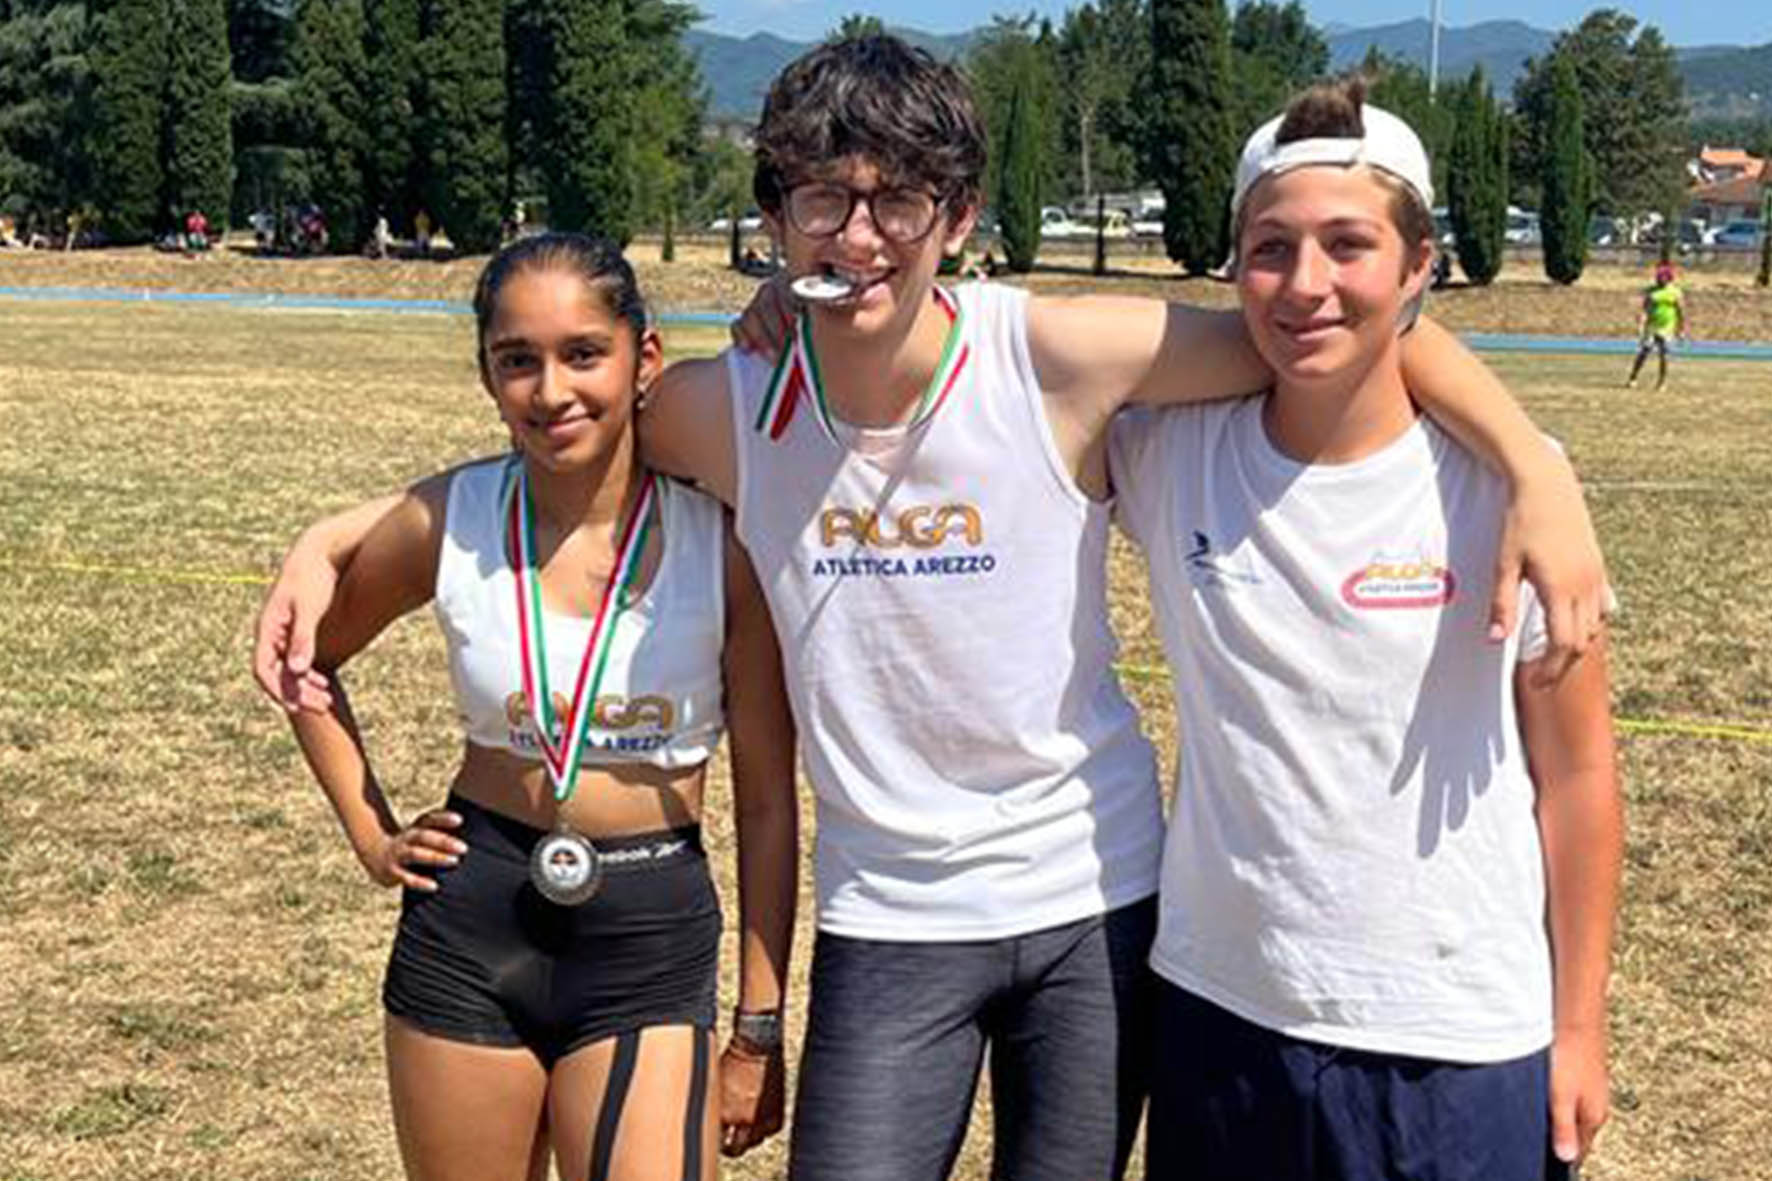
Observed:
{"x":876,"y":97}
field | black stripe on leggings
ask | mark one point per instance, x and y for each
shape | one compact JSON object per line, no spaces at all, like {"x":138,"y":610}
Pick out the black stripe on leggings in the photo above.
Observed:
{"x":698,"y":1095}
{"x":615,"y":1096}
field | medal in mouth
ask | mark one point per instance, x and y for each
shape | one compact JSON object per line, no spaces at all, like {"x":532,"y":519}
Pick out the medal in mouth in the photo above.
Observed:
{"x":824,"y":287}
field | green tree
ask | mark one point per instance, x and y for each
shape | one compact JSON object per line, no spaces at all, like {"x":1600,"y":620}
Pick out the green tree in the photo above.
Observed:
{"x":1191,"y":145}
{"x":331,"y":77}
{"x":667,"y":103}
{"x":1275,"y":51}
{"x":719,"y":182}
{"x":261,"y":35}
{"x":128,"y":63}
{"x":462,"y":120}
{"x":394,"y":100}
{"x":1477,"y":180}
{"x":1012,"y":52}
{"x":1568,"y":183}
{"x":198,"y":127}
{"x":1020,"y":175}
{"x":1103,"y":51}
{"x":1655,"y":155}
{"x":589,"y":120}
{"x":43,"y":72}
{"x":855,"y":25}
{"x":1637,"y":148}
{"x":1400,"y":87}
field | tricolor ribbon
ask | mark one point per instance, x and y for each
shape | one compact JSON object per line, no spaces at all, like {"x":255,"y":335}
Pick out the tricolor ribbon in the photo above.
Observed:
{"x":796,"y":374}
{"x":562,"y":758}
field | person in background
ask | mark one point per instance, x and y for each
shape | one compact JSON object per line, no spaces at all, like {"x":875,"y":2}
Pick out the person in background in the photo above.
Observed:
{"x":1661,"y":316}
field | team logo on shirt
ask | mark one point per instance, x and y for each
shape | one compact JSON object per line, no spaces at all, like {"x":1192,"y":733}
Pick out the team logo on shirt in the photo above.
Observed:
{"x":1210,"y":567}
{"x":1395,"y":583}
{"x":870,"y":535}
{"x":921,"y":526}
{"x":651,"y":715}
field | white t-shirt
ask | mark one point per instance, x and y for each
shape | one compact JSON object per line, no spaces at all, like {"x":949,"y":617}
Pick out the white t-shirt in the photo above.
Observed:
{"x":1353,"y":856}
{"x":941,"y":599}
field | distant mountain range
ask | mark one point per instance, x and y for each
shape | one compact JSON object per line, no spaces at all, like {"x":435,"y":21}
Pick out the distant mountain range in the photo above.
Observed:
{"x":1720,"y":79}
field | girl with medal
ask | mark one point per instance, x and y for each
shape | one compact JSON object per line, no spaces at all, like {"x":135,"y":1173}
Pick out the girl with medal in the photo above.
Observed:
{"x":552,"y":984}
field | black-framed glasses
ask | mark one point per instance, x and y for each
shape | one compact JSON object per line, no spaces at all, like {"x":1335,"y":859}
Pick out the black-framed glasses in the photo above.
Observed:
{"x":821,"y":210}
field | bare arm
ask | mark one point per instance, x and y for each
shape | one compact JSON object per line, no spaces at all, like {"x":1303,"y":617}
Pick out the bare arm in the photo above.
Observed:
{"x":283,"y":652}
{"x":1567,"y":732}
{"x":1549,"y":538}
{"x":686,"y":428}
{"x":394,"y":573}
{"x":753,"y":1085}
{"x":1093,"y":354}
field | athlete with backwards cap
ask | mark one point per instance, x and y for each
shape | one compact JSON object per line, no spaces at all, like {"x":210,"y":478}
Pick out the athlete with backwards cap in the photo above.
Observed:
{"x":1393,"y":858}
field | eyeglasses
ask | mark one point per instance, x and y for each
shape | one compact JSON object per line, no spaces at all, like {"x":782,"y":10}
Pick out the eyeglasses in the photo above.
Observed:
{"x":821,"y":210}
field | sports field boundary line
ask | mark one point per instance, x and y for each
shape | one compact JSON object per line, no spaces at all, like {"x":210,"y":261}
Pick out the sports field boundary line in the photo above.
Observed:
{"x":1486,"y":342}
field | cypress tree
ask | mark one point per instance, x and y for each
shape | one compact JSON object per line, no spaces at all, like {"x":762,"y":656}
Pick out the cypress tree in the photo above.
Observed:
{"x":588,"y":124}
{"x":330,"y":82}
{"x":1568,"y":179}
{"x":391,"y":41}
{"x":128,"y":62}
{"x":199,"y":133}
{"x":1190,"y":144}
{"x":1018,"y":177}
{"x":1477,"y":180}
{"x":462,"y":123}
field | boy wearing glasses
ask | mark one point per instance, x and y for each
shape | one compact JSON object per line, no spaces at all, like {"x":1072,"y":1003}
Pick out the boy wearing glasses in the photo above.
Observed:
{"x":919,"y":476}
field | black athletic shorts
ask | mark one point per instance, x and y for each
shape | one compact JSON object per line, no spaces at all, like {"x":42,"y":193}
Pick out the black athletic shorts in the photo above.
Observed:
{"x":487,"y":959}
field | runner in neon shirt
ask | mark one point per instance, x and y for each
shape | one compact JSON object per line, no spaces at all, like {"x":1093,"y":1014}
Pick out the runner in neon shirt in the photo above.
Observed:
{"x":1662,"y":315}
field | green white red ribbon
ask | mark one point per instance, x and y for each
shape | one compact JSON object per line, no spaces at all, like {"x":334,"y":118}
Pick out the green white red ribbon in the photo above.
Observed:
{"x":796,"y":375}
{"x":562,"y":758}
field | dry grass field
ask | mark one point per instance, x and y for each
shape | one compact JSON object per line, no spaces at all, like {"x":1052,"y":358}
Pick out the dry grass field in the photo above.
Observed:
{"x":190,"y":957}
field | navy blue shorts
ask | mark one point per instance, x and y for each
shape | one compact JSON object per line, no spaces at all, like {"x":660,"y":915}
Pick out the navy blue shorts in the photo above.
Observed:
{"x":1235,"y":1101}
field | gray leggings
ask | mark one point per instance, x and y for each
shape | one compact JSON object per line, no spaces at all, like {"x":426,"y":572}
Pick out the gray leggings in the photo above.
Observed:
{"x":896,"y":1033}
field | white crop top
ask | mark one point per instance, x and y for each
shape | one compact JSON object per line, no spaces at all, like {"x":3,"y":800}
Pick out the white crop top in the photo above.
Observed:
{"x":660,"y":699}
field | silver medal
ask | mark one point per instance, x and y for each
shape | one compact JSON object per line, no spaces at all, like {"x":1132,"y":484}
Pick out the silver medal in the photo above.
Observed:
{"x":565,"y":868}
{"x":824,"y":288}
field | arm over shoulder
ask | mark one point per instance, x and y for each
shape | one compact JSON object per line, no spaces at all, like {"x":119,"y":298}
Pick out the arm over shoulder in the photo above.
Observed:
{"x":393,"y":571}
{"x":686,"y":428}
{"x":1100,"y":352}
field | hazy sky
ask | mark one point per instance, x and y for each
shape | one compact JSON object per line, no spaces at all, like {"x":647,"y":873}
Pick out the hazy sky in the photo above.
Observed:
{"x":1731,"y":22}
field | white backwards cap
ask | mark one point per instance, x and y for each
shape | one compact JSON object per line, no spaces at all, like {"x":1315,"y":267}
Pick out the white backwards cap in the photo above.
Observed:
{"x":1389,"y":144}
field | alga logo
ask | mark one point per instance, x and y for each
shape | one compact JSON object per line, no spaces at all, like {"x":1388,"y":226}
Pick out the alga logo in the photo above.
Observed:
{"x":609,"y":712}
{"x":920,"y":526}
{"x":1387,"y":585}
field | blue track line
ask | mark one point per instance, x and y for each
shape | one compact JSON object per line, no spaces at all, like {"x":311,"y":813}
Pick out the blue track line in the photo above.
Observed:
{"x":1486,"y":342}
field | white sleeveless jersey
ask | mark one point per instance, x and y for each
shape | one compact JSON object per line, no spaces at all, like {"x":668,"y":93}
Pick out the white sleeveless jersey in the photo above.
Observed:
{"x":660,"y":699}
{"x":940,"y":596}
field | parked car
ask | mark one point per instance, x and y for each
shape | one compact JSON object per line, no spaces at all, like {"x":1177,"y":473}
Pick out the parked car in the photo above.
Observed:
{"x":1522,"y":228}
{"x":750,"y":221}
{"x":1443,"y":234}
{"x":1114,"y":224}
{"x":1741,"y":234}
{"x":1056,"y":223}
